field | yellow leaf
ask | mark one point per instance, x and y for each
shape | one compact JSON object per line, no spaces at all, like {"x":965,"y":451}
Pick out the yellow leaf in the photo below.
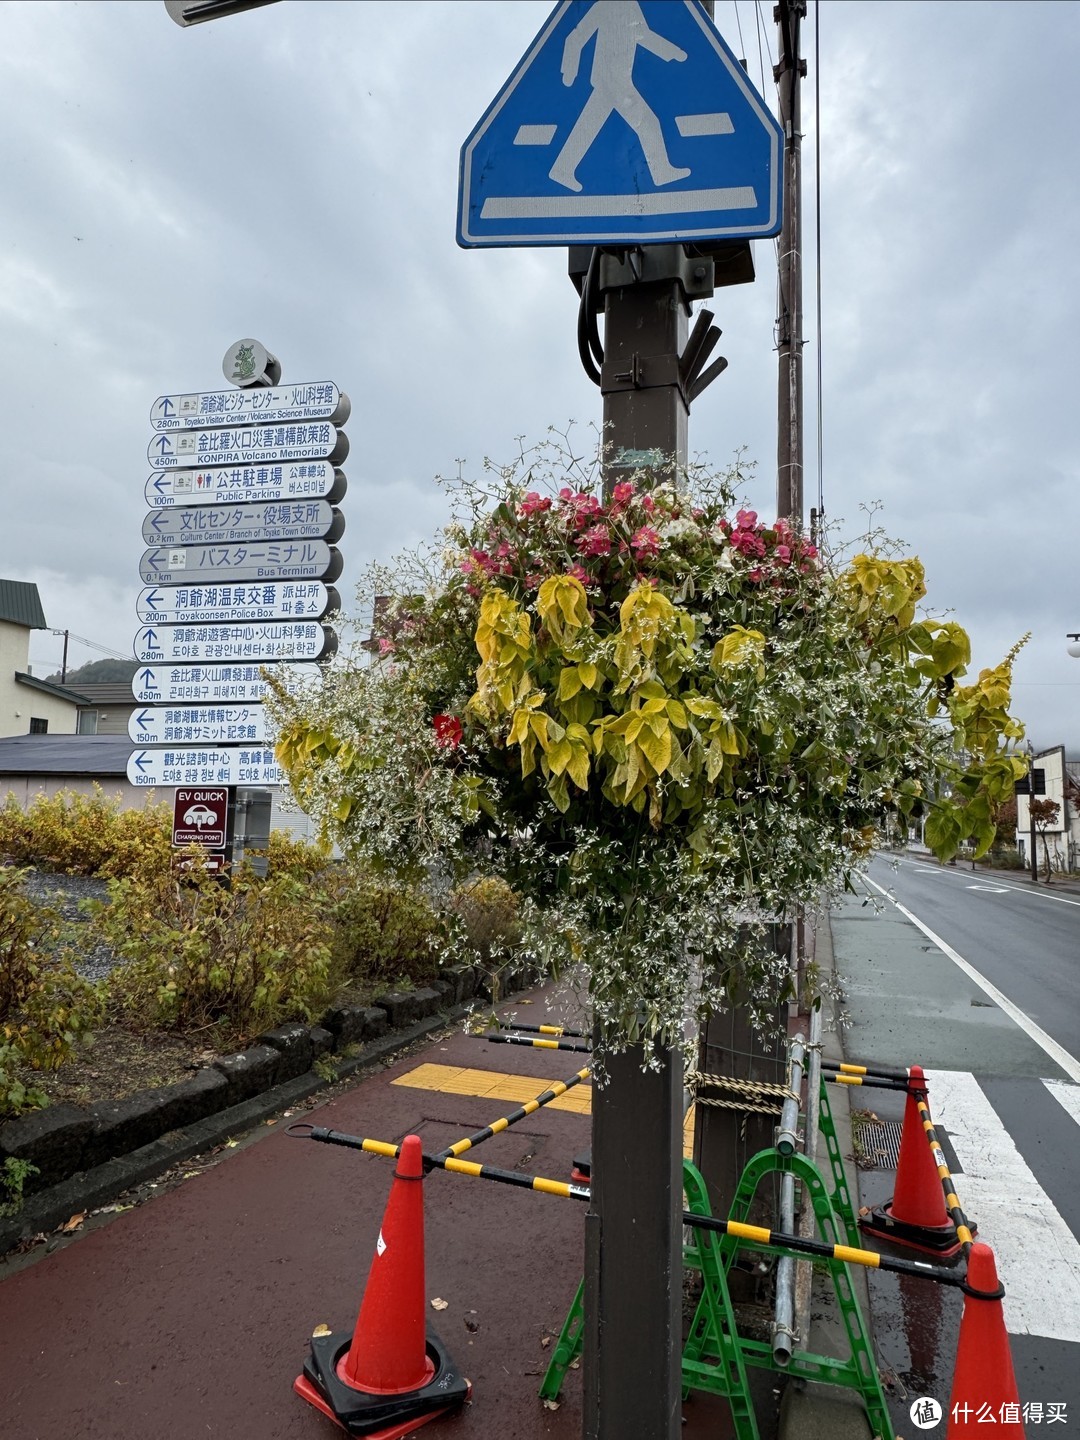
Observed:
{"x":559,"y":756}
{"x":655,"y":744}
{"x":739,"y":647}
{"x":320,"y":1330}
{"x":589,"y":674}
{"x":569,"y":682}
{"x":578,"y":768}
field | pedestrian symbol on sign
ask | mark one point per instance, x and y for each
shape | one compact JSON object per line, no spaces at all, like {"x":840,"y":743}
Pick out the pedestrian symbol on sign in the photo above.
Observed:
{"x":620,"y":28}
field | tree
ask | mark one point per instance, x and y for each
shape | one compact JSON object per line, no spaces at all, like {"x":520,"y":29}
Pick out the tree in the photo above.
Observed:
{"x":97,"y":672}
{"x":1045,"y":814}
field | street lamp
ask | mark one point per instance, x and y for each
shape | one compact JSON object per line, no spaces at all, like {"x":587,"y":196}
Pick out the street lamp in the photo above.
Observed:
{"x":1074,"y":648}
{"x":196,"y":12}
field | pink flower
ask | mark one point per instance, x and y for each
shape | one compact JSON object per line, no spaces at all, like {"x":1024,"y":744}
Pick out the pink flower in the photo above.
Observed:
{"x":783,"y":554}
{"x":448,"y":731}
{"x":645,"y":543}
{"x":579,"y":573}
{"x":756,"y":574}
{"x":386,"y":647}
{"x":534,"y":504}
{"x":747,"y":543}
{"x":648,"y":504}
{"x":746,"y":519}
{"x":623,"y":493}
{"x":809,"y":552}
{"x":783,"y":529}
{"x":594,"y":541}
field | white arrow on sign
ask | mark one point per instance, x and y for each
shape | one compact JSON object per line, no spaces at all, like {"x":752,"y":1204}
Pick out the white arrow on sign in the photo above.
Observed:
{"x":247,"y":445}
{"x":204,"y":765}
{"x":198,"y":725}
{"x":284,"y":640}
{"x":195,"y":684}
{"x":238,"y":484}
{"x":309,"y":400}
{"x":234,"y":604}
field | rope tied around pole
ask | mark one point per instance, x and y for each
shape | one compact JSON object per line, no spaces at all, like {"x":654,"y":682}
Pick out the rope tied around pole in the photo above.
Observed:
{"x":763,"y":1097}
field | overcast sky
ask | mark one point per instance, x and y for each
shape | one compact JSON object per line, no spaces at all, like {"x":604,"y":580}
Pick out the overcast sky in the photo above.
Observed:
{"x":290,"y":173}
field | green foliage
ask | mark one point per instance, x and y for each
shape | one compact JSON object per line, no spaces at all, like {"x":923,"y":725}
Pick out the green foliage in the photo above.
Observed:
{"x":387,"y":932}
{"x":293,"y":856}
{"x":199,"y":954}
{"x":13,"y":1176}
{"x":489,"y":916}
{"x":44,"y":1005}
{"x":663,"y":727}
{"x":326,"y":1068}
{"x":86,"y":834}
{"x":98,"y":672}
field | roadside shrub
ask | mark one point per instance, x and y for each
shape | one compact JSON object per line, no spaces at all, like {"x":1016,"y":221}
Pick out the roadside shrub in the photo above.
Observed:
{"x":201,"y":955}
{"x":288,"y":854}
{"x":487,"y":910}
{"x":86,"y":834}
{"x":44,"y":1005}
{"x":387,"y":932}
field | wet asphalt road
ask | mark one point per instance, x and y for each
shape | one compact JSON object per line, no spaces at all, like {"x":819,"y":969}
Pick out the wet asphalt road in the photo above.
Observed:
{"x":1005,"y":1094}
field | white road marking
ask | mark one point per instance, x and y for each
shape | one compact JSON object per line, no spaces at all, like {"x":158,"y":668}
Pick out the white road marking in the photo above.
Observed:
{"x":994,"y":889}
{"x":1057,"y":1053}
{"x":1038,"y":1257}
{"x":1067,"y":1096}
{"x":1017,"y":889}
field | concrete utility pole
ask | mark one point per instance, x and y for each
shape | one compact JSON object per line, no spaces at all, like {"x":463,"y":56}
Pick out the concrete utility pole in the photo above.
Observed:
{"x":788,"y":74}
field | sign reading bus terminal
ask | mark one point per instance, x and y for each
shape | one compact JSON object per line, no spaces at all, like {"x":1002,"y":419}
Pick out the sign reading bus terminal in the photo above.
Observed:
{"x":241,"y":524}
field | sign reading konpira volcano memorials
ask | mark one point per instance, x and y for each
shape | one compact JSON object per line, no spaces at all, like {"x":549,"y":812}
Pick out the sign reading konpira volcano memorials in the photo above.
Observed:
{"x":241,"y":528}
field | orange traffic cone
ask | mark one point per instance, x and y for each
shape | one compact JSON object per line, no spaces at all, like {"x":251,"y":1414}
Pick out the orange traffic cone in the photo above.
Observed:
{"x":916,"y":1214}
{"x":391,"y":1375}
{"x":984,"y":1384}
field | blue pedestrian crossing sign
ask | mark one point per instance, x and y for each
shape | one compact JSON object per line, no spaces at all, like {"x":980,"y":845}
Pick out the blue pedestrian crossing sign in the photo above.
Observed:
{"x":625,"y":122}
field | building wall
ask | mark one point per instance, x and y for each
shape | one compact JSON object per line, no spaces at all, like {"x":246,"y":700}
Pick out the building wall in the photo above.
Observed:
{"x":14,"y":655}
{"x":1062,"y":837}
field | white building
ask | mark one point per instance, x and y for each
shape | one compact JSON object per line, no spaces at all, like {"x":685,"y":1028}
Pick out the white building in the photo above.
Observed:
{"x":29,"y":706}
{"x":1062,"y":835}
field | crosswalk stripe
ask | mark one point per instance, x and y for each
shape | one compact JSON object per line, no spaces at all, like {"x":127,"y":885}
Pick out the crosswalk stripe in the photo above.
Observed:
{"x":1038,"y":1257}
{"x":1067,"y":1096}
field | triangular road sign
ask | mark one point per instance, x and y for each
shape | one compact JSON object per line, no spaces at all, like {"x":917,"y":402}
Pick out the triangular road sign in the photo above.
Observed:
{"x":626,"y":121}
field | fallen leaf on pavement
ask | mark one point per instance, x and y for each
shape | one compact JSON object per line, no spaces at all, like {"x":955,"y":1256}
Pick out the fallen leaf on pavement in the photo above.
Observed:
{"x":438,"y":1304}
{"x":75,"y":1223}
{"x":552,"y":1404}
{"x":545,"y":1342}
{"x":320,"y":1330}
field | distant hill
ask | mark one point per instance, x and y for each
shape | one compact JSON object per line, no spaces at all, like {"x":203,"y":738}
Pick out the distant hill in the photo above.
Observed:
{"x":98,"y":672}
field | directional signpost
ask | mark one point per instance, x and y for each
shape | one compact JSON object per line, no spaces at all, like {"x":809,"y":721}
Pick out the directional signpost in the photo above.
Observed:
{"x":624,"y":123}
{"x":231,"y":604}
{"x":242,"y":483}
{"x":241,"y":527}
{"x":241,"y":524}
{"x":261,"y":640}
{"x":191,"y":684}
{"x":272,"y":560}
{"x":247,"y":445}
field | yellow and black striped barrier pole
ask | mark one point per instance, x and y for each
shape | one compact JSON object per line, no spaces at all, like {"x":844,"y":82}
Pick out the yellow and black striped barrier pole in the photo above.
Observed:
{"x":497,"y":1126}
{"x":878,"y":1072}
{"x":559,"y":1030}
{"x":873,"y":1082}
{"x":961,"y":1223}
{"x":754,"y":1235}
{"x":498,"y":1039}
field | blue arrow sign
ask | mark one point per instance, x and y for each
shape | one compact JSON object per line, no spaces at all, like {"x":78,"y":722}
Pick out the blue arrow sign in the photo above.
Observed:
{"x":140,"y":761}
{"x":160,"y":483}
{"x":152,"y":600}
{"x":162,"y":444}
{"x":165,"y":405}
{"x":626,"y":121}
{"x":142,"y":720}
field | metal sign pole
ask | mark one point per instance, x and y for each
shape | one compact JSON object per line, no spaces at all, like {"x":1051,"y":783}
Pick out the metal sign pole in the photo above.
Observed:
{"x":633,"y":1244}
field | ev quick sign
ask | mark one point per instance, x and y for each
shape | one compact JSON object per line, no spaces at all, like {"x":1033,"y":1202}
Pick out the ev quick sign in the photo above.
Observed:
{"x":236,"y":570}
{"x":625,"y":122}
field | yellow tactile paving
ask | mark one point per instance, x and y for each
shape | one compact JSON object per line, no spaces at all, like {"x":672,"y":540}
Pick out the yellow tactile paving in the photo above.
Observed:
{"x":493,"y":1085}
{"x":497,"y":1085}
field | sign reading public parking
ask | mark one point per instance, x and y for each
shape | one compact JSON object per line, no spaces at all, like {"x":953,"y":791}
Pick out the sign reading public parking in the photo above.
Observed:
{"x":313,"y":400}
{"x":247,"y":445}
{"x":242,"y":524}
{"x":199,"y":818}
{"x":241,"y":483}
{"x":625,"y":122}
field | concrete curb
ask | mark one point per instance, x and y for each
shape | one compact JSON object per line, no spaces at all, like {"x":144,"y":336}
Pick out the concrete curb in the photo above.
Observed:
{"x":85,"y":1190}
{"x":826,"y":1412}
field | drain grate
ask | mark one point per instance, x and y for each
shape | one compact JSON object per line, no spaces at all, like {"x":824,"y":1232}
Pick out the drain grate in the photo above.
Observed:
{"x":877,"y":1144}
